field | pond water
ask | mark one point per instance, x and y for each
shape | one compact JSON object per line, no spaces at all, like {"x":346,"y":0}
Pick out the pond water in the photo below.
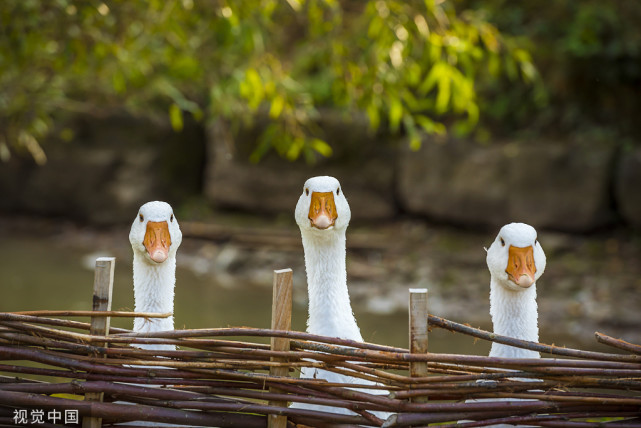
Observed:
{"x":41,"y":275}
{"x":44,"y":273}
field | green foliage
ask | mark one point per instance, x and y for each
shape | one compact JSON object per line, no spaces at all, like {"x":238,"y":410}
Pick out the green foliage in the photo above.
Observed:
{"x":589,"y":57}
{"x":410,"y":66}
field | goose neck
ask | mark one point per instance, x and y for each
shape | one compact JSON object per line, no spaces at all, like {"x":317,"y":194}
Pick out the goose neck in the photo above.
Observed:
{"x":154,"y":292}
{"x":514,"y":314}
{"x":330,"y":311}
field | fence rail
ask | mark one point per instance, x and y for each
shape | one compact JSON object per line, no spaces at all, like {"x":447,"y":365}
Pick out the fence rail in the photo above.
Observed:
{"x":216,"y":379}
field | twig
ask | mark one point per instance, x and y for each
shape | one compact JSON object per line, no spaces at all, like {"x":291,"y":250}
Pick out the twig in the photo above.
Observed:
{"x":127,"y":412}
{"x":231,"y":378}
{"x":618,"y":343}
{"x":124,"y":314}
{"x":7,"y":316}
{"x":486,"y":335}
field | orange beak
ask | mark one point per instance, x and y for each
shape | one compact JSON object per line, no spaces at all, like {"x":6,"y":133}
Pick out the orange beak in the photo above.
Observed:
{"x":157,"y":240}
{"x":520,"y":266}
{"x":322,"y":210}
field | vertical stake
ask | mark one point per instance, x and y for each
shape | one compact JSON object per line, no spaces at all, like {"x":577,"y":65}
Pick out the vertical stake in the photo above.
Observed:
{"x":102,"y":291}
{"x":281,"y":320}
{"x":418,"y":334}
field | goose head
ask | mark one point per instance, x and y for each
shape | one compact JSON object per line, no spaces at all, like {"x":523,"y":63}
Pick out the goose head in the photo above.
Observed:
{"x":155,"y":234}
{"x":515,"y":258}
{"x":322,"y":207}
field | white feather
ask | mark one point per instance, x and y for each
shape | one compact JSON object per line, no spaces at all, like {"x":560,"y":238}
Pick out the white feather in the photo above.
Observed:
{"x":330,"y":311}
{"x":154,"y":282}
{"x":513,"y":309}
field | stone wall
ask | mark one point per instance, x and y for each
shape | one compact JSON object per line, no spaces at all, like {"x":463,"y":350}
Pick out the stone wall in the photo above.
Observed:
{"x":363,"y":163}
{"x":552,"y":184}
{"x":628,"y":186}
{"x":574,"y":185}
{"x":114,"y":164}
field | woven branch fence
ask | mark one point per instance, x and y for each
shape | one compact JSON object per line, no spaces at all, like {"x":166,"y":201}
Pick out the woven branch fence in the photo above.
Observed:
{"x":222,"y":378}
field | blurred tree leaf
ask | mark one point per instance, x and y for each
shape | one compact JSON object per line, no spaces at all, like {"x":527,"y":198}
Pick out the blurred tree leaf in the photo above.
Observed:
{"x":405,"y":64}
{"x":589,"y":59}
{"x":176,"y":117}
{"x":321,"y":147}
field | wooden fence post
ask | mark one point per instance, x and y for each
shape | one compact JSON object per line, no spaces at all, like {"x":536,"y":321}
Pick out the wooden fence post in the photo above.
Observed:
{"x":102,"y":292}
{"x":418,"y":334}
{"x":281,"y":320}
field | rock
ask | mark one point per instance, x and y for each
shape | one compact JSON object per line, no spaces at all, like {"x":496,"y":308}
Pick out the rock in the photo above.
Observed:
{"x":627,"y":184}
{"x":563,"y":186}
{"x":71,"y":183}
{"x":116,"y":163}
{"x":363,"y":164}
{"x":112,"y":166}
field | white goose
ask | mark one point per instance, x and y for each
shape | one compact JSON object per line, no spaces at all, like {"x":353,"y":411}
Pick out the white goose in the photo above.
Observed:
{"x":155,"y":237}
{"x":323,"y":214}
{"x":516,"y":261}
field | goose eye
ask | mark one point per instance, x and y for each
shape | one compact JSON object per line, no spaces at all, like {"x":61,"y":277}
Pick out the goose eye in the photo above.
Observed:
{"x":141,"y":217}
{"x":171,"y":217}
{"x":502,"y":242}
{"x":338,"y":191}
{"x":307,"y":192}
